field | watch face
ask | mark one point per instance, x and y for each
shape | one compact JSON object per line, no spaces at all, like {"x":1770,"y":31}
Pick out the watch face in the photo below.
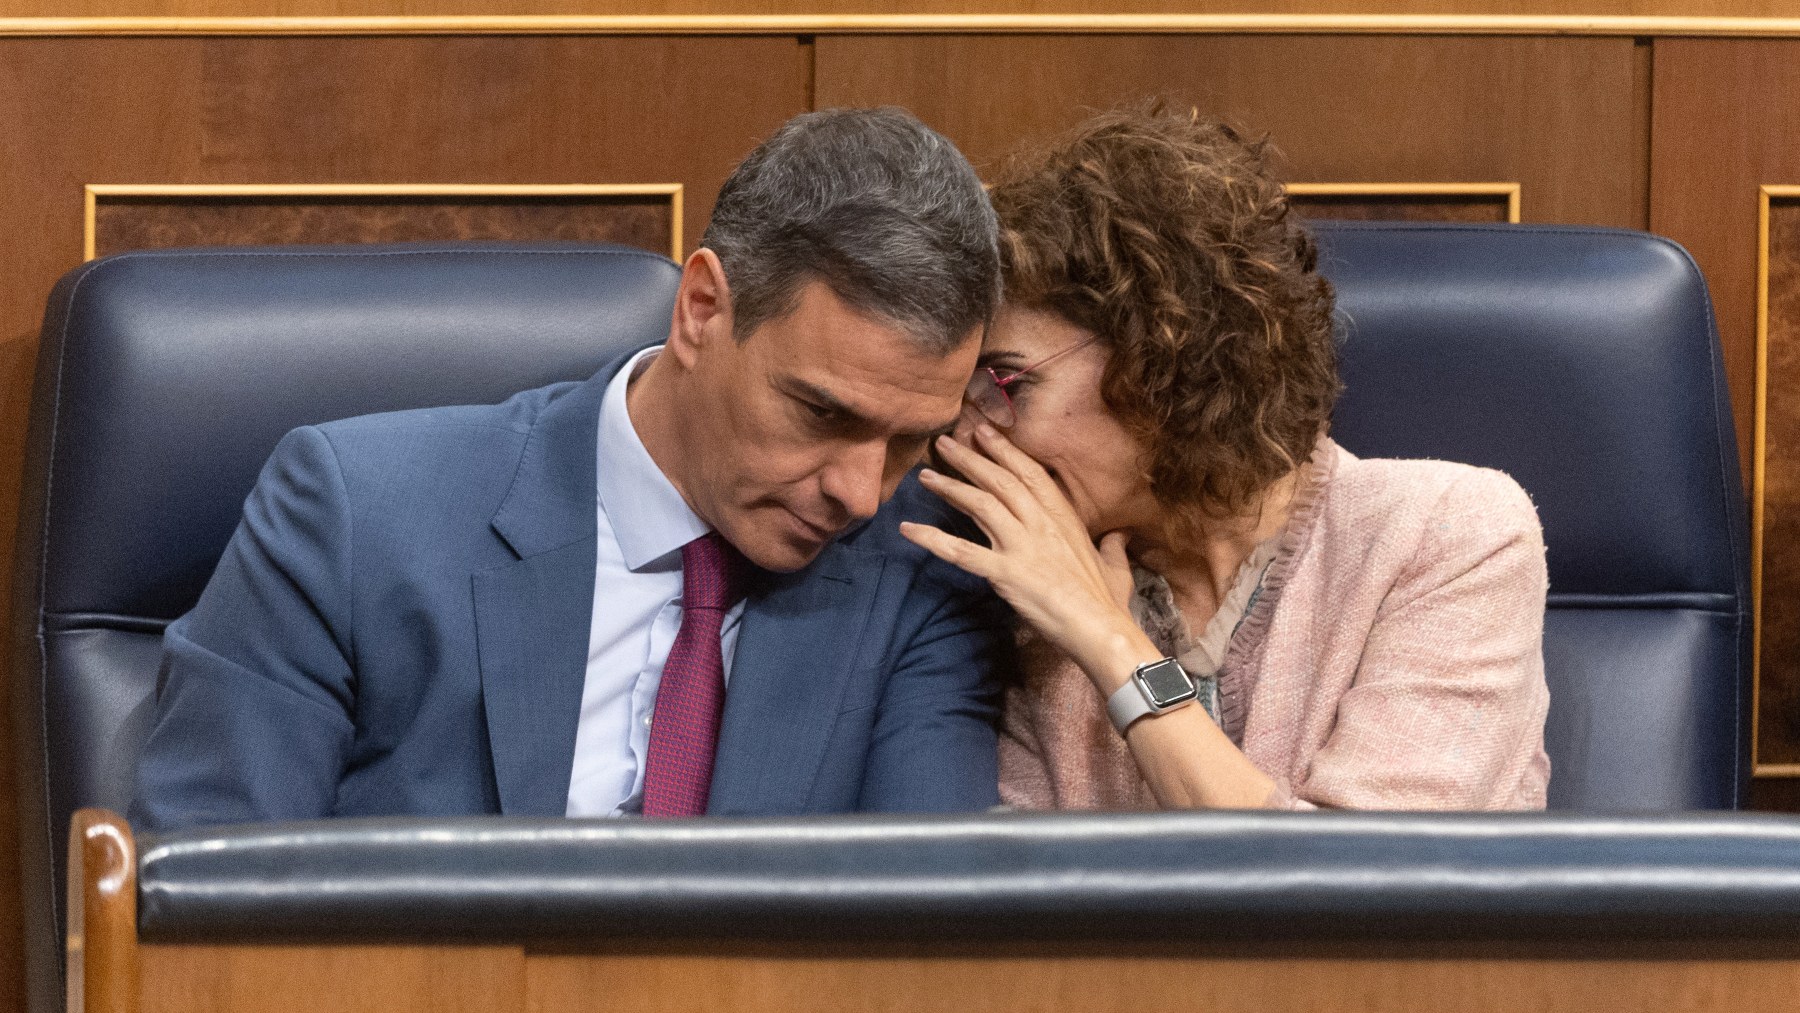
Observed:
{"x":1167,"y":683}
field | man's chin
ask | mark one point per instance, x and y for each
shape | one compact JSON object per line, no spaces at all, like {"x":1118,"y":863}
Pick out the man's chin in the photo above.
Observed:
{"x":778,"y":539}
{"x":781,"y":547}
{"x":783,"y":554}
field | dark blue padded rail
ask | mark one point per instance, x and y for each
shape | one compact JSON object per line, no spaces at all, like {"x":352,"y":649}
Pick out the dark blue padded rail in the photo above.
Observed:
{"x":1194,"y":877}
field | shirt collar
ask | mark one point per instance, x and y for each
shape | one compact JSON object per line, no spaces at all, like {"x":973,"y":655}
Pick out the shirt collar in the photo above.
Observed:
{"x":649,"y":519}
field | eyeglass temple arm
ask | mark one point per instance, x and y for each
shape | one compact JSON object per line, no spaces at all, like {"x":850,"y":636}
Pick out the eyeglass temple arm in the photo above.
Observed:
{"x":1001,"y":382}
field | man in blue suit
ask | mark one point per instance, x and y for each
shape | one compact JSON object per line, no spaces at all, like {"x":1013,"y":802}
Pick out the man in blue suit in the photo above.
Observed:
{"x":481,"y":609}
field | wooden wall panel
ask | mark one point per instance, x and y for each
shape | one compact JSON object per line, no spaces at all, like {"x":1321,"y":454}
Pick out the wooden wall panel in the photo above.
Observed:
{"x":1563,"y":117}
{"x":336,"y":110}
{"x":1727,"y":116}
{"x":1724,"y":124}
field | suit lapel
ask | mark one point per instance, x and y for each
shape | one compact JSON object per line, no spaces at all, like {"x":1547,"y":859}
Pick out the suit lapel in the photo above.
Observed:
{"x":533,"y":615}
{"x":793,"y":662}
{"x":531,"y":624}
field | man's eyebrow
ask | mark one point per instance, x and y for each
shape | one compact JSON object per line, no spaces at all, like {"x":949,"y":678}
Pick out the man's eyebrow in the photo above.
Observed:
{"x":793,"y":386}
{"x":851,"y":418}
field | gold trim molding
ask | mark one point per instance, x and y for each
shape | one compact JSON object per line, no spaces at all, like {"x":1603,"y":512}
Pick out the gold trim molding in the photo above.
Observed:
{"x":96,"y":191}
{"x":857,"y":24}
{"x":1510,"y":191}
{"x":1759,"y":466}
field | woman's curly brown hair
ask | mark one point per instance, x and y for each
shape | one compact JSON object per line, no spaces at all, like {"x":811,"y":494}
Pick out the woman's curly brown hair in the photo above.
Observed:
{"x":1167,"y":235}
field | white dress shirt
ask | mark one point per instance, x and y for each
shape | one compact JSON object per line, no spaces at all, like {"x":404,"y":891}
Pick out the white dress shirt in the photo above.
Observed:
{"x":643,"y":523}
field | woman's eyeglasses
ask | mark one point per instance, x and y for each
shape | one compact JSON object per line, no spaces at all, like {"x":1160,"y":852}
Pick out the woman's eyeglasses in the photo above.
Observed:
{"x":987,"y":388}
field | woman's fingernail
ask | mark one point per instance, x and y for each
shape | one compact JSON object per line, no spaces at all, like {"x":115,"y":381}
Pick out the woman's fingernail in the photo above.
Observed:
{"x":987,"y":430}
{"x":927,"y":475}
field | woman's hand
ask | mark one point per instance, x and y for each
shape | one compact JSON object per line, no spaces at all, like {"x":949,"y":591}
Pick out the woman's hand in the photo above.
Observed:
{"x":1077,"y":595}
{"x":1040,"y":559}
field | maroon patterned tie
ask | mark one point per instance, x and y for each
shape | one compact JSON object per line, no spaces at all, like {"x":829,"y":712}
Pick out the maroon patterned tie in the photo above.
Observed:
{"x":684,"y":729}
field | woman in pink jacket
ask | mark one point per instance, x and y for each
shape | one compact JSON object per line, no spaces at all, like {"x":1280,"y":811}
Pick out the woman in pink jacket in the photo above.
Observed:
{"x":1219,"y":606}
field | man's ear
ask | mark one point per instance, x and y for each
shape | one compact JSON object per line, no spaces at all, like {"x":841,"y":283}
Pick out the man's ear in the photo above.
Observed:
{"x":702,"y":307}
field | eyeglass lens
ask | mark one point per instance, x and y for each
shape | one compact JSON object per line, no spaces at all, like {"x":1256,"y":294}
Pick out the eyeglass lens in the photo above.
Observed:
{"x":989,"y":398}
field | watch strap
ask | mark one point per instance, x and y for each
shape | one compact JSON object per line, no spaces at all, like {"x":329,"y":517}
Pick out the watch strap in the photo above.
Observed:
{"x":1137,"y":698}
{"x":1127,"y":704}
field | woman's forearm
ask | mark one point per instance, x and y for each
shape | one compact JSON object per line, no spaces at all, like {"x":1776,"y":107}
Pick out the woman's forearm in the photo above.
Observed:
{"x":1189,"y":763}
{"x":1185,"y":758}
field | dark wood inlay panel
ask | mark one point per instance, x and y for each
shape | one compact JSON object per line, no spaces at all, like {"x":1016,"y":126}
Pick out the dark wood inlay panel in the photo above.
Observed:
{"x":1778,"y":718}
{"x":1775,"y":794}
{"x":136,"y":223}
{"x":1483,"y":208}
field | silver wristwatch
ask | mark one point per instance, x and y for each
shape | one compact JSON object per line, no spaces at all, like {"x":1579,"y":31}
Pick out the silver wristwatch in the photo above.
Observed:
{"x":1156,"y":688}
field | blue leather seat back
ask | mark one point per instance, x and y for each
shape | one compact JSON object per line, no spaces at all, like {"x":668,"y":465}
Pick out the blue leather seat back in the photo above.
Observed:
{"x":164,"y":380}
{"x":1584,"y":363}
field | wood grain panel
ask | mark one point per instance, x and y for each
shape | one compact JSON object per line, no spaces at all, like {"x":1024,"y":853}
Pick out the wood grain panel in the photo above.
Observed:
{"x":1298,"y":984}
{"x":385,"y":110}
{"x":1724,"y":123}
{"x":1560,"y":116}
{"x":139,"y":223}
{"x":883,"y":979}
{"x":336,"y":979}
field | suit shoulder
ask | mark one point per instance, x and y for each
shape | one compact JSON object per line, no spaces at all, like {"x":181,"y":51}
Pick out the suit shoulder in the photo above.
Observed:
{"x":912,"y":502}
{"x":515,"y":415}
{"x":459,"y":454}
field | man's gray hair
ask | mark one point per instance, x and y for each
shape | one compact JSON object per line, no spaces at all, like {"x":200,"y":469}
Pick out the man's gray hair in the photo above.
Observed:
{"x":881,"y":208}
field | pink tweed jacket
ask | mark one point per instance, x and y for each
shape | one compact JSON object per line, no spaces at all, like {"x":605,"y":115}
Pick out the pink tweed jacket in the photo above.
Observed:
{"x":1393,"y":658}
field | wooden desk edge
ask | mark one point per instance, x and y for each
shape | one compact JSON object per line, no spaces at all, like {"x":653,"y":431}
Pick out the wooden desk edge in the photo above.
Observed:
{"x":102,"y":952}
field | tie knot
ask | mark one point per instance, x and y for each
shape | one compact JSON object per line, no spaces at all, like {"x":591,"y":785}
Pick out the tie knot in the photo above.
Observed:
{"x":712,"y":573}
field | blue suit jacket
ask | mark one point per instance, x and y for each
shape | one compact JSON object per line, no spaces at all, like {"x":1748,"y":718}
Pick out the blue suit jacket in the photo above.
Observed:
{"x":400,"y":625}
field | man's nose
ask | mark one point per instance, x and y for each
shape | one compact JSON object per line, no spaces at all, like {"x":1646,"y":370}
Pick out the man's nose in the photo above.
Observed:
{"x":854,"y":479}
